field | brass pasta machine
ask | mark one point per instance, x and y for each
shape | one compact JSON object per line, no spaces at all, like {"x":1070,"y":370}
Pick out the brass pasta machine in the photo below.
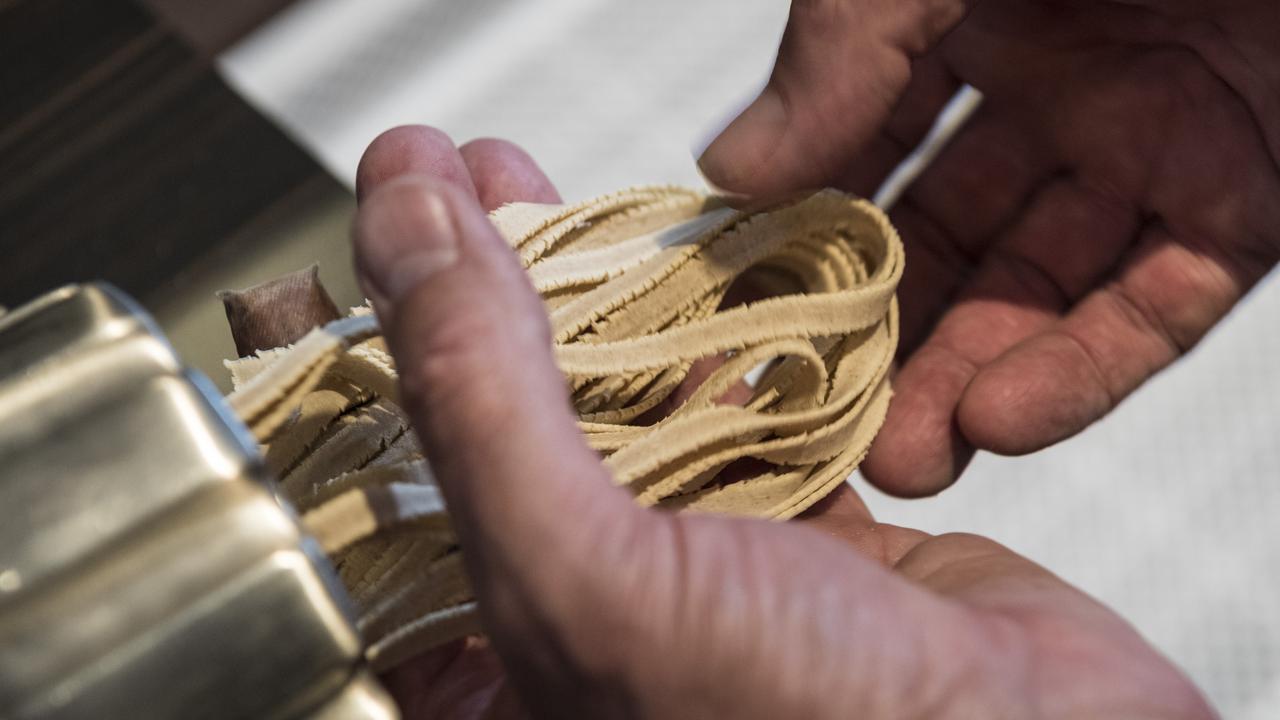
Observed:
{"x":147,"y":568}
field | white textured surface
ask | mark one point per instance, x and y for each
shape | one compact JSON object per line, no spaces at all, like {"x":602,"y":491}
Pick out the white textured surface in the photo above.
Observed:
{"x":1168,"y":510}
{"x":604,"y":94}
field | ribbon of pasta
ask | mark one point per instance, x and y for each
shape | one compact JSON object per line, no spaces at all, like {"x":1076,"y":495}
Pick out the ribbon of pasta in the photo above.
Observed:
{"x":635,"y":285}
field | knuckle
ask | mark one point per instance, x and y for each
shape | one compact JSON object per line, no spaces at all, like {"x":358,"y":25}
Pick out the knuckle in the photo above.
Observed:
{"x":1148,"y":317}
{"x":947,"y":555}
{"x":968,"y":545}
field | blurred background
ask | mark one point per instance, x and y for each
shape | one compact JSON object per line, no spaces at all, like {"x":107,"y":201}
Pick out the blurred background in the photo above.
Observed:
{"x":216,"y":147}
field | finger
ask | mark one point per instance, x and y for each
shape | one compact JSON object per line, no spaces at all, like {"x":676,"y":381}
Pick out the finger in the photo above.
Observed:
{"x":930,"y":89}
{"x":841,"y":69}
{"x":981,"y":182}
{"x":935,"y":272}
{"x":919,"y":450}
{"x":504,"y":173}
{"x":411,"y":149}
{"x":532,"y":505}
{"x":1067,"y":240}
{"x":1165,"y":297}
{"x":978,"y":186}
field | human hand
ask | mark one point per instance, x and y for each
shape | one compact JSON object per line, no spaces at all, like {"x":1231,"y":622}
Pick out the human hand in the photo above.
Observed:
{"x":1113,"y":198}
{"x":598,"y":608}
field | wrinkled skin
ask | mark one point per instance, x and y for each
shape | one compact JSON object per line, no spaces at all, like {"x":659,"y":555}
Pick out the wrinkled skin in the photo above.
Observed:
{"x":598,"y":608}
{"x":1114,"y":197}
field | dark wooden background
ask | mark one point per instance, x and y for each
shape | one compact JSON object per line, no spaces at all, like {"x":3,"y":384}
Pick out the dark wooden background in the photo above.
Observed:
{"x":123,"y":155}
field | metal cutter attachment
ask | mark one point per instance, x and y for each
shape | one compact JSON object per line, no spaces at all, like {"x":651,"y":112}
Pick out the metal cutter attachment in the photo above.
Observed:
{"x":146,"y":568}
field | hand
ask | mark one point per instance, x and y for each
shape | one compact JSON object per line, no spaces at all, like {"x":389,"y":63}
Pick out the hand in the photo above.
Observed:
{"x":1114,"y":197}
{"x":598,"y":608}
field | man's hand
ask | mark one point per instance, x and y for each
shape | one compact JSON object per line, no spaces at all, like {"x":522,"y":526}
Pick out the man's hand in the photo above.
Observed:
{"x":598,"y":608}
{"x":1115,"y":196}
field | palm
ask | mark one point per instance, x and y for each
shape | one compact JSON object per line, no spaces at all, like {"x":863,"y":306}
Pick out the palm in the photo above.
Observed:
{"x":996,"y":616}
{"x":465,"y":680}
{"x":1112,"y":199}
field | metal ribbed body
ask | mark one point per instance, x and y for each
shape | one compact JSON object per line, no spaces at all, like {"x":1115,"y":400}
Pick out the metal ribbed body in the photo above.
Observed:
{"x":146,"y":567}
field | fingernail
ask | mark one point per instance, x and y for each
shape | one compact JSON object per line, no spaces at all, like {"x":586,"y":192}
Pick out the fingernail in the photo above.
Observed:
{"x":746,"y":144}
{"x":405,"y":235}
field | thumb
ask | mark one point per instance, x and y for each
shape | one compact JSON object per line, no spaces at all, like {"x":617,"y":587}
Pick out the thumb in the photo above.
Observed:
{"x":534,"y":509}
{"x":841,"y":68}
